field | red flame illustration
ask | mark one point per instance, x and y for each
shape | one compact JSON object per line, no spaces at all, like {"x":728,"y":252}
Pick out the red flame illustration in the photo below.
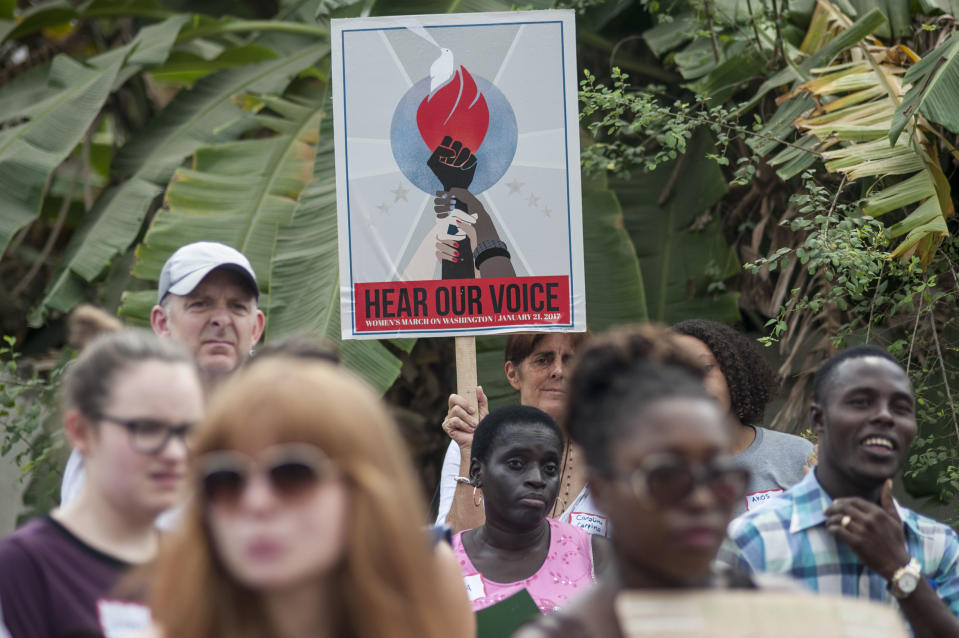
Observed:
{"x":457,"y":109}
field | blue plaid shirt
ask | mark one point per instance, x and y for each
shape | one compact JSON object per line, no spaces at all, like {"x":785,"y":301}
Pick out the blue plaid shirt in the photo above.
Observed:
{"x":788,"y":536}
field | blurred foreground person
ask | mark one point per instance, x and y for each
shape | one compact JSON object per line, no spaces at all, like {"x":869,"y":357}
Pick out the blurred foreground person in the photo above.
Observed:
{"x":516,"y":461}
{"x":839,"y":531}
{"x":306,"y":521}
{"x":737,"y":376}
{"x":131,"y":400}
{"x":660,"y":462}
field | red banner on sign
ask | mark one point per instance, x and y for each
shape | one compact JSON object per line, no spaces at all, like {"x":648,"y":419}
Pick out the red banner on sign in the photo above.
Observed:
{"x":461,"y":303}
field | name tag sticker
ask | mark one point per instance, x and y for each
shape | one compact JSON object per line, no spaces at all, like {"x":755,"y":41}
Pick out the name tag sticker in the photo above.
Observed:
{"x":475,"y":587}
{"x":592,"y":523}
{"x":122,"y":618}
{"x":757,"y":500}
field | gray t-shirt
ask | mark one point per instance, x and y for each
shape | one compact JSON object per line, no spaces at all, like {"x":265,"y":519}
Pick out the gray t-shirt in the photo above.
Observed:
{"x":775,"y":460}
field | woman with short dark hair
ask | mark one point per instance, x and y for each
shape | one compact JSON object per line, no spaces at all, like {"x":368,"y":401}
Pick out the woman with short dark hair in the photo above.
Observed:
{"x":737,"y":375}
{"x":516,"y":462}
{"x":536,"y":365}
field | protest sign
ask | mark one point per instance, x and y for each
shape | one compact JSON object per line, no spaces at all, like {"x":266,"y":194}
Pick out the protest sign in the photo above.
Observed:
{"x":754,"y":614}
{"x":457,"y":174}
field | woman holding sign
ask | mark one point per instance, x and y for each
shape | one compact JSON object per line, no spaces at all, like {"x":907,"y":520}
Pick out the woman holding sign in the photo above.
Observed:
{"x":517,"y":453}
{"x":660,"y":463}
{"x":536,"y":365}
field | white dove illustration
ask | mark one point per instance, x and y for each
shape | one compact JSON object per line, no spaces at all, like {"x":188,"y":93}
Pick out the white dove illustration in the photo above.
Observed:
{"x":441,"y":71}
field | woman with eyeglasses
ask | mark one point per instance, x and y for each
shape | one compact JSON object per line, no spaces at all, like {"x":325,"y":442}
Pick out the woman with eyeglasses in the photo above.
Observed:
{"x":517,"y":452}
{"x":660,"y":464}
{"x":130,"y":402}
{"x":306,"y":520}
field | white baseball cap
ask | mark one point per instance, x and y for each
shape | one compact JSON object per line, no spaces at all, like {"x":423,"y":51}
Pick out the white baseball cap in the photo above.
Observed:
{"x":187,"y":267}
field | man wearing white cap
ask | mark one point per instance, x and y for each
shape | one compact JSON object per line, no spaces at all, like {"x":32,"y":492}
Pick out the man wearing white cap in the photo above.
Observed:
{"x":206,"y":301}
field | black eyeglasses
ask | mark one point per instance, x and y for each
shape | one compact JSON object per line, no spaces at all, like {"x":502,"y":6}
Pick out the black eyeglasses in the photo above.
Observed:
{"x":149,"y":436}
{"x":292,"y":470}
{"x":666,"y":479}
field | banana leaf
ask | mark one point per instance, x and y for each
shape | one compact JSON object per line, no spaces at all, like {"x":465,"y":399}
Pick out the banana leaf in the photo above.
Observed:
{"x":897,"y":12}
{"x":934,"y":80}
{"x":860,"y":103}
{"x":41,"y":134}
{"x":829,"y":46}
{"x":203,"y":115}
{"x":948,"y":7}
{"x":615,"y":292}
{"x":238,"y":192}
{"x":304,"y":284}
{"x":669,"y":35}
{"x":185,"y":68}
{"x":674,"y":253}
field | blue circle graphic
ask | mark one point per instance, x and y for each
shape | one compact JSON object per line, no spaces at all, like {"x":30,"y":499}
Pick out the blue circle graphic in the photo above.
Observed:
{"x":492,"y":159}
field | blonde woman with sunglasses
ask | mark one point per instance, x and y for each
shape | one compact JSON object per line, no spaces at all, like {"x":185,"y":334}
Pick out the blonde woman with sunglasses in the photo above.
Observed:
{"x":306,"y":520}
{"x":131,"y":401}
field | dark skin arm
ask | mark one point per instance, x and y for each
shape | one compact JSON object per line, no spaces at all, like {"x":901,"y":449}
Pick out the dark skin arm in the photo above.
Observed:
{"x":875,"y":534}
{"x":485,"y":230}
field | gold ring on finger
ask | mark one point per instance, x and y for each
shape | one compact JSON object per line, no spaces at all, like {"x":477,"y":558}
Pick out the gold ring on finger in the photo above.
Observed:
{"x":844,"y":521}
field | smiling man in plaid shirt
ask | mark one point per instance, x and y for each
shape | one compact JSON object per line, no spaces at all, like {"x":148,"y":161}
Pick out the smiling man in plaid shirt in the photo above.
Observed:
{"x":839,"y":531}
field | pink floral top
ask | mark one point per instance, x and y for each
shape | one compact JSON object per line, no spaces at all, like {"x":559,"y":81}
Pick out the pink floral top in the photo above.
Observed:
{"x":568,"y":567}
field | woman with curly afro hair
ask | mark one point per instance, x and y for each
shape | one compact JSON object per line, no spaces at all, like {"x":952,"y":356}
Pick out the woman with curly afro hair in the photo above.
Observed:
{"x":740,"y":379}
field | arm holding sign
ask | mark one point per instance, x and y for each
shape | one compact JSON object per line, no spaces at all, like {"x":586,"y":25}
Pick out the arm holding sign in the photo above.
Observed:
{"x":492,"y":257}
{"x":460,"y":422}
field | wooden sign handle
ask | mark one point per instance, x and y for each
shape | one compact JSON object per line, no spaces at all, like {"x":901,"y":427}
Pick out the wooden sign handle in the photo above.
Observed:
{"x":466,"y":368}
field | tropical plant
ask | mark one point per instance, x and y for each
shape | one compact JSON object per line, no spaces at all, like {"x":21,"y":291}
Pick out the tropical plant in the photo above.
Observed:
{"x":771,"y":128}
{"x":130,"y":127}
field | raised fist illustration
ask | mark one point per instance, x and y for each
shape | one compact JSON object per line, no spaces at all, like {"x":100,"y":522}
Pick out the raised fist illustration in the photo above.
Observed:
{"x":453,"y":164}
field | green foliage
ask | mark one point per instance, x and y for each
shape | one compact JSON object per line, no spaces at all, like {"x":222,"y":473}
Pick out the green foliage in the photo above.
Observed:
{"x":637,"y":129}
{"x":683,"y":255}
{"x":850,"y":252}
{"x":28,"y":427}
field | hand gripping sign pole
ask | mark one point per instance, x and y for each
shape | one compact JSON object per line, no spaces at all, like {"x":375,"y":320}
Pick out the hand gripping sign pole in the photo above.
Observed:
{"x":457,"y":178}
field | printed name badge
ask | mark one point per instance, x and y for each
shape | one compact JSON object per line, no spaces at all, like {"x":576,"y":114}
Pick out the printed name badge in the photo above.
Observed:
{"x":122,"y":619}
{"x":757,"y":500}
{"x":592,"y":523}
{"x":475,"y":587}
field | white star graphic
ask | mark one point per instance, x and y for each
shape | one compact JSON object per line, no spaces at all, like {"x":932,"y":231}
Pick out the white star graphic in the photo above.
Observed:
{"x":546,"y":210}
{"x":515,"y":186}
{"x":399,"y":193}
{"x":533,"y":199}
{"x":384,"y":208}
